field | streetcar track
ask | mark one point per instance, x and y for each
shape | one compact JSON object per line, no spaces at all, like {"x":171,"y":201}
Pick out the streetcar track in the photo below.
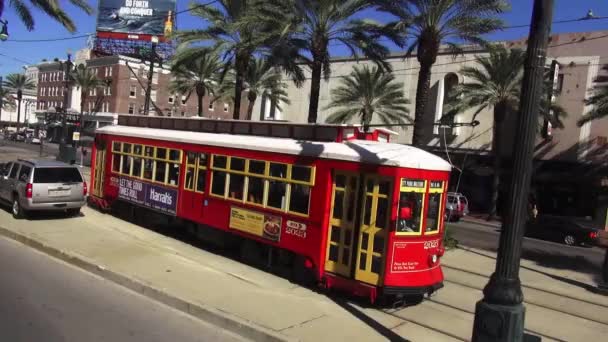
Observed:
{"x":424,"y":325}
{"x":527,"y":286}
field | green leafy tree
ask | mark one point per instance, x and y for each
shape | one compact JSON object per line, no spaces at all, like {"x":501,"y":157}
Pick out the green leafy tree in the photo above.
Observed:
{"x":198,"y":71}
{"x":86,"y":80}
{"x":19,"y":83}
{"x":312,"y":26}
{"x":367,"y":92}
{"x":237,"y":38}
{"x":495,"y":84}
{"x":599,"y":101}
{"x":52,"y":8}
{"x":430,"y":23}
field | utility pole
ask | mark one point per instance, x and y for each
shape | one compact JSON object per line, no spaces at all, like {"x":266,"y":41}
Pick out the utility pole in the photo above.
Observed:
{"x":499,"y":316}
{"x":63,"y":153}
{"x":1,"y":96}
{"x":153,"y":58}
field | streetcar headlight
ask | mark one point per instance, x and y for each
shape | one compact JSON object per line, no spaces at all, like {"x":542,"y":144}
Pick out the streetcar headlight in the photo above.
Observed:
{"x":434,"y":258}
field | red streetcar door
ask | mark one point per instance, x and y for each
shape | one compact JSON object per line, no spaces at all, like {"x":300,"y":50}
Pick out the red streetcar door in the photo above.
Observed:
{"x":99,"y":173}
{"x":342,"y":223}
{"x":373,"y":229}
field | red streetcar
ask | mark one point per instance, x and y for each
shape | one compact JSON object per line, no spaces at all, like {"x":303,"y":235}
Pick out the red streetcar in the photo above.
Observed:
{"x":344,"y":208}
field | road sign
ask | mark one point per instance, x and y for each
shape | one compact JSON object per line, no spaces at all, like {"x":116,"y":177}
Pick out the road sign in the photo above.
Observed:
{"x":76,"y":136}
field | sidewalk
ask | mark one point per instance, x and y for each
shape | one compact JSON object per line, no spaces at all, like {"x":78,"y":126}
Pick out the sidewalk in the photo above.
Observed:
{"x":264,"y":307}
{"x":480,"y":219}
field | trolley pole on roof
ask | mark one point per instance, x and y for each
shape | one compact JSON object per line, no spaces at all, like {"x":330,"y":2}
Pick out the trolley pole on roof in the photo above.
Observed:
{"x":499,"y":316}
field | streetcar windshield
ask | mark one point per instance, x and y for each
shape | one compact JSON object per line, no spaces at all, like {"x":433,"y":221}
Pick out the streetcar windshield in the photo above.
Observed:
{"x":413,"y":201}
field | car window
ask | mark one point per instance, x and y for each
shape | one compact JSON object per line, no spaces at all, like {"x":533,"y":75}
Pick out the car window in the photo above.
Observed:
{"x":56,"y":175}
{"x":7,"y":169}
{"x":451,"y":199}
{"x":24,"y":173}
{"x":13,"y":174}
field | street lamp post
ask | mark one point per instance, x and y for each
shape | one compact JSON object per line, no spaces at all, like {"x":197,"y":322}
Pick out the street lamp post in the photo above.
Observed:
{"x":153,"y":58}
{"x":64,"y":127}
{"x":499,"y":316}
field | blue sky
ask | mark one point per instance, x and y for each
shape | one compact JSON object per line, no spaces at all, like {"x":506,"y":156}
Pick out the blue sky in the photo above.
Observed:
{"x":13,"y":55}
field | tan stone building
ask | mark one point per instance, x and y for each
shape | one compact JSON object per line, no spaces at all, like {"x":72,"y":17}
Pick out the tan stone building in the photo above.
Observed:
{"x":571,"y":163}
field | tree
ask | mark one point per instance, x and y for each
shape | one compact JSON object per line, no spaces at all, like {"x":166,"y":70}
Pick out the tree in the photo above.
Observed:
{"x":86,"y":80}
{"x":430,"y":23}
{"x":599,"y":101}
{"x":237,"y":39}
{"x":367,"y":92}
{"x":8,"y":101}
{"x":51,"y":8}
{"x":313,"y":25}
{"x":496,"y":84}
{"x":18,"y":83}
{"x":196,"y":70}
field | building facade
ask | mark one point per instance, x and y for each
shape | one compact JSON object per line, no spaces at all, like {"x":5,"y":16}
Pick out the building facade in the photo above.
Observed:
{"x":561,"y":158}
{"x":27,"y":116}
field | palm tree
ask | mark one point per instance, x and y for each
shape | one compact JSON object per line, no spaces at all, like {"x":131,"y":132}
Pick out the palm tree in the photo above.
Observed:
{"x":237,"y":39}
{"x":51,"y":8}
{"x":196,"y":70}
{"x":430,"y":23}
{"x":86,"y":80}
{"x":367,"y":92}
{"x":316,"y":24}
{"x":599,"y":101}
{"x":18,"y":83}
{"x":496,"y":84}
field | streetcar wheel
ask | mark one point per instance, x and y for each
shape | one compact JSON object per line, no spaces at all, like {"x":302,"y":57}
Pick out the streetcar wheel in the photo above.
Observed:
{"x":411,"y":300}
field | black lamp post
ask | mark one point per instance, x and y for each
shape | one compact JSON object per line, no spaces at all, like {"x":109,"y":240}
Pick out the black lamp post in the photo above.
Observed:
{"x":63,"y":153}
{"x":153,"y":59}
{"x":499,"y":316}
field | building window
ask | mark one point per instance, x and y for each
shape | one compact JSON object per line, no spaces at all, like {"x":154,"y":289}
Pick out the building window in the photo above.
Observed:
{"x":105,"y":107}
{"x":131,"y":108}
{"x":143,"y":91}
{"x":153,"y":95}
{"x":210,"y":106}
{"x":107,"y":91}
{"x":42,"y":91}
{"x":108,"y":71}
{"x":90,"y":107}
{"x":133,"y":91}
{"x":183,"y":113}
{"x":171,"y":99}
{"x":184,"y":99}
{"x":226,"y":107}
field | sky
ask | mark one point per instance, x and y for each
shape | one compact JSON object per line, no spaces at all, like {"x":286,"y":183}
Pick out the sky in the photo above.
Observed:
{"x":14,"y":54}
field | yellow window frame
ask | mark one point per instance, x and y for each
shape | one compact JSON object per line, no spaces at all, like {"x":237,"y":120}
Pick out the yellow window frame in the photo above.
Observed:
{"x":143,"y":158}
{"x":441,"y":191}
{"x":420,"y":190}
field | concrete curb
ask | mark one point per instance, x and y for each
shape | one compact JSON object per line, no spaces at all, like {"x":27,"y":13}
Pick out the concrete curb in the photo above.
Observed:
{"x":481,"y":222}
{"x":214,"y":316}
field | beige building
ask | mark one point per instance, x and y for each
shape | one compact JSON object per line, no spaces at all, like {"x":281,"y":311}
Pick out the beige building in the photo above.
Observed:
{"x":568,"y":152}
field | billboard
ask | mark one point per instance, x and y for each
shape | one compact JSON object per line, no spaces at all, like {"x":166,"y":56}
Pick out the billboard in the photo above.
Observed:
{"x":135,"y":19}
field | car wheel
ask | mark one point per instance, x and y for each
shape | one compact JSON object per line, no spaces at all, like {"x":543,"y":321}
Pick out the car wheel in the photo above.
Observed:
{"x":73,"y":212}
{"x":18,"y":211}
{"x":569,"y":240}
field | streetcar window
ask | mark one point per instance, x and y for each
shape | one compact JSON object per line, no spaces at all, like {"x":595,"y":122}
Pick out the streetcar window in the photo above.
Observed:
{"x":116,"y":163}
{"x":175,"y":155}
{"x":161,"y":153}
{"x":126,"y":148}
{"x":301,"y":173}
{"x":149,"y":151}
{"x":200,"y":180}
{"x":255,"y":190}
{"x":148,"y":168}
{"x":189,"y":179}
{"x":202,"y":160}
{"x":218,"y":184}
{"x":161,"y":171}
{"x":257,"y":167}
{"x":237,"y":164}
{"x":278,"y":170}
{"x":137,"y":167}
{"x":413,"y":201}
{"x":432,"y":216}
{"x":220,"y":162}
{"x":236,"y":186}
{"x":116,"y":146}
{"x":126,"y":165}
{"x":173,"y":174}
{"x":276,"y":194}
{"x":299,"y":199}
{"x":382,"y":212}
{"x":137,"y":149}
{"x":191,"y":158}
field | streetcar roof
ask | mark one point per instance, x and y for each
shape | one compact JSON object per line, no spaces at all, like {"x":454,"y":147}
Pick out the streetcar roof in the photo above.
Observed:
{"x":363,"y":151}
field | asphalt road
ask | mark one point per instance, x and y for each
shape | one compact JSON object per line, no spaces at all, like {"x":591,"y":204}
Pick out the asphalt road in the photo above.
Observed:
{"x":546,"y":253}
{"x":48,"y":148}
{"x":43,"y":299}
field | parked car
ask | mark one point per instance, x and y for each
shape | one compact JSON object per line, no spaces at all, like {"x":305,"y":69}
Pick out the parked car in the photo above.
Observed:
{"x":42,"y":185}
{"x":569,"y":230}
{"x":456,"y":207}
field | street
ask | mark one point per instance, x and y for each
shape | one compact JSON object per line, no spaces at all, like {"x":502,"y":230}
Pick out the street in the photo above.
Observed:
{"x":546,"y":253}
{"x":42,"y":299}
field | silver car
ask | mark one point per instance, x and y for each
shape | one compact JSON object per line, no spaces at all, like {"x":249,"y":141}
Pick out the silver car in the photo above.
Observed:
{"x":42,"y":185}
